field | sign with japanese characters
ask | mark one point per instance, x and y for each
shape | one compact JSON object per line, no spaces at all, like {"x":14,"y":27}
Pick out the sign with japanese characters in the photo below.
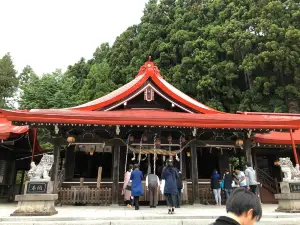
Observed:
{"x":295,"y":187}
{"x":37,"y":188}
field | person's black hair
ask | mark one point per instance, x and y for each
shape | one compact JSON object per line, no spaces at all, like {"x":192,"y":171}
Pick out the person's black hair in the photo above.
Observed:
{"x":226,"y":170}
{"x":248,"y":164}
{"x":169,"y":163}
{"x":130,"y":167}
{"x":136,"y":166}
{"x":214,"y":171}
{"x":241,"y":201}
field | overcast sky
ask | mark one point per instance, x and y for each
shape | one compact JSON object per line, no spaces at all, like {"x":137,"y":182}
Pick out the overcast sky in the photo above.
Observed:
{"x":51,"y":34}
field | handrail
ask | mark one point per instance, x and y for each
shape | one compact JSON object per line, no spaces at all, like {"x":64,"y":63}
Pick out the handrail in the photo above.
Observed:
{"x":265,"y":174}
{"x":60,"y":178}
{"x":267,"y":181}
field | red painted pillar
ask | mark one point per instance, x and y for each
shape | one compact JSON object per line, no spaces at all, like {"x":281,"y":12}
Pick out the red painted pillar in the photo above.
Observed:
{"x":34,"y":143}
{"x":294,"y":147}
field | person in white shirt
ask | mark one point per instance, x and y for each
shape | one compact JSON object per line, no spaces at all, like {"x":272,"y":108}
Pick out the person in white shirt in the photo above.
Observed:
{"x":152,"y":184}
{"x":251,"y":178}
{"x":242,"y":182}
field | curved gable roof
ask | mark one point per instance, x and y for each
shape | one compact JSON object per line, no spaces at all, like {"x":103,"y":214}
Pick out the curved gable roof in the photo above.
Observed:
{"x":147,"y":71}
{"x":6,"y":128}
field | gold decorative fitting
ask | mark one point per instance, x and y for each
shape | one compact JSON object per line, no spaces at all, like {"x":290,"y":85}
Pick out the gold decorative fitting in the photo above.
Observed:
{"x":149,"y":65}
{"x":70,"y":139}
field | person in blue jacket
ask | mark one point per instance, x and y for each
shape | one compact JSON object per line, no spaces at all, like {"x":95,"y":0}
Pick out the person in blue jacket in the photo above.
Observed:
{"x":170,"y":175}
{"x":215,"y":186}
{"x":136,"y":187}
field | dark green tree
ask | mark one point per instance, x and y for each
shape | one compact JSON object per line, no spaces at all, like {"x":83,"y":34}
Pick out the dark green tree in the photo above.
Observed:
{"x":8,"y":81}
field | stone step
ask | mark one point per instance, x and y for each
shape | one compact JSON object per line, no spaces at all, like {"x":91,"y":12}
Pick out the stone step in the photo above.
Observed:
{"x":268,"y":221}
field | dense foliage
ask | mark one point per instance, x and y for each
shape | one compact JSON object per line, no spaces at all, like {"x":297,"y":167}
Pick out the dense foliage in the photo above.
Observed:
{"x":229,"y":54}
{"x":8,"y":81}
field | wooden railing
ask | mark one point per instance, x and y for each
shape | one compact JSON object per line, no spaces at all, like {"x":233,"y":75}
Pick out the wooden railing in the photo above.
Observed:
{"x":85,"y":195}
{"x":267,"y":181}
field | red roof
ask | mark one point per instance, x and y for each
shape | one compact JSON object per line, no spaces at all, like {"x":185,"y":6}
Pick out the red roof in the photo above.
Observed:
{"x":277,"y":138}
{"x":153,"y":118}
{"x":147,"y":71}
{"x":6,"y":128}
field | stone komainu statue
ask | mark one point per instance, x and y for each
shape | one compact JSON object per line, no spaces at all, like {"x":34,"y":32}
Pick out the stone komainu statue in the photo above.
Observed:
{"x":290,"y":172}
{"x":41,"y":171}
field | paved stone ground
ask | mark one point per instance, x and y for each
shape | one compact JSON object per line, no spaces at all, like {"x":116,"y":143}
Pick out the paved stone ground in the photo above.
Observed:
{"x":115,"y":215}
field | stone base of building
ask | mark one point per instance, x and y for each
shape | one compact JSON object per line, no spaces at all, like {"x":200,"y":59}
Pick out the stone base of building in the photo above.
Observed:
{"x":36,"y":205}
{"x":288,"y":202}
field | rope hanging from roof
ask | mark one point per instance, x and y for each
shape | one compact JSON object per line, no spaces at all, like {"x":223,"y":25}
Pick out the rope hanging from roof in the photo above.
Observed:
{"x":180,"y":154}
{"x":126,"y":157}
{"x":140,"y":155}
{"x":154,"y":150}
{"x":154,"y":155}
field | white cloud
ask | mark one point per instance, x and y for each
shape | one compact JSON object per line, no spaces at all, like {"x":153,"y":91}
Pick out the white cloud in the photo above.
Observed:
{"x":51,"y":34}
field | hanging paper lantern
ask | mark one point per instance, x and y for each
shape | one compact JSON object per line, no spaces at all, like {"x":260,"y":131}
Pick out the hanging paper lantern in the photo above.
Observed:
{"x":188,"y":154}
{"x":91,"y":153}
{"x":169,"y":138}
{"x":239,"y":142}
{"x":70,"y":139}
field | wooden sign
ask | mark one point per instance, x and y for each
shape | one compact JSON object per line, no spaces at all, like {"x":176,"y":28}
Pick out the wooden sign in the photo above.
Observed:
{"x":37,"y":188}
{"x":295,"y":187}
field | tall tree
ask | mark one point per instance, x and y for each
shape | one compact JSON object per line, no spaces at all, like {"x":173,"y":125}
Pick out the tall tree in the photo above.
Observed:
{"x":98,"y":82}
{"x":49,"y":91}
{"x":8,"y":81}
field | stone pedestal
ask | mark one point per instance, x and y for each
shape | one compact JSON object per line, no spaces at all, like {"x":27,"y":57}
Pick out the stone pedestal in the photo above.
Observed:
{"x":37,"y":200}
{"x":289,"y":199}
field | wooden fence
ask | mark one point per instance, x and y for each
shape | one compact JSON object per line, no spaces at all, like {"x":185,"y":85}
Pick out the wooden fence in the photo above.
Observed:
{"x":85,"y":195}
{"x":207,"y":197}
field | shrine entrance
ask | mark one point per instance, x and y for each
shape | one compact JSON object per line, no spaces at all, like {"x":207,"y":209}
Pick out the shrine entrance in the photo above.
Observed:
{"x":145,"y":122}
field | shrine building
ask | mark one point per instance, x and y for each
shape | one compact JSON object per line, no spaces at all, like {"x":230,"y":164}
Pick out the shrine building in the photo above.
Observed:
{"x":146,"y":121}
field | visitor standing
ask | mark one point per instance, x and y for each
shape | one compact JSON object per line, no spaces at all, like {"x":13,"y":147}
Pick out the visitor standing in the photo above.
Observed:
{"x":179,"y":189}
{"x":127,"y":187}
{"x":227,"y":183}
{"x":243,"y":208}
{"x":251,"y":178}
{"x":215,"y":186}
{"x":242,"y":182}
{"x":170,"y":175}
{"x":152,"y":184}
{"x":136,"y":187}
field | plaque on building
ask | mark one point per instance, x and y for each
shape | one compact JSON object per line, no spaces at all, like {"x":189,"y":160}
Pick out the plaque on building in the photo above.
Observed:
{"x":37,"y":188}
{"x":295,"y":187}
